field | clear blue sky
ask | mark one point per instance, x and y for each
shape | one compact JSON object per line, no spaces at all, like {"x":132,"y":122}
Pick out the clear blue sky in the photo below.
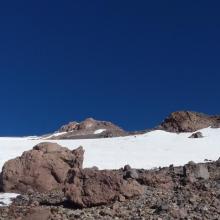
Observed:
{"x":130,"y":62}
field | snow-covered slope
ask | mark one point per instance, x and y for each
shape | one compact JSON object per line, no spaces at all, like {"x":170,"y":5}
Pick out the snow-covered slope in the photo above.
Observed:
{"x":153,"y":149}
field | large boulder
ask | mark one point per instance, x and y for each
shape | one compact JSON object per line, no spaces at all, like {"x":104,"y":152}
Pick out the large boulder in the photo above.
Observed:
{"x":187,"y":121}
{"x":91,"y":187}
{"x":42,"y":169}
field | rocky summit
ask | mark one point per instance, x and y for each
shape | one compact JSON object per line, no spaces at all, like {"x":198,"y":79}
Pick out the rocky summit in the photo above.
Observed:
{"x":89,"y":128}
{"x":187,"y":121}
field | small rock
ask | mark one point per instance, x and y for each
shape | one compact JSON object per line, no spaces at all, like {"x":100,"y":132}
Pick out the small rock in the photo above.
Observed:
{"x":197,"y":135}
{"x":133,"y":174}
{"x":196,"y":171}
{"x":127,"y":168}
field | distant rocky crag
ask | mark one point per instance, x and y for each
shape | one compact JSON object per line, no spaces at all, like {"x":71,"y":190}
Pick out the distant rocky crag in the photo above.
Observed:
{"x":188,"y":121}
{"x":89,"y":128}
{"x":180,"y":121}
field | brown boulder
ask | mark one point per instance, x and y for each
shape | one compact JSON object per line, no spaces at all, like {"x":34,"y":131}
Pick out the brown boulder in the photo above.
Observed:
{"x":90,"y":187}
{"x":156,"y":178}
{"x":187,"y":121}
{"x":41,"y":169}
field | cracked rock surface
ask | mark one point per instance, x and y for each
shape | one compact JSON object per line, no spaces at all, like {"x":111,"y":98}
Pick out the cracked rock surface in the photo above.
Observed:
{"x":41,"y":169}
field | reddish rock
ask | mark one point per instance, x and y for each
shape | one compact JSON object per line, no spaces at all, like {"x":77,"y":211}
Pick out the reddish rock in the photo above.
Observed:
{"x":186,"y":121}
{"x":89,"y":187}
{"x":88,"y":129}
{"x":38,"y":213}
{"x":192,"y":172}
{"x":68,"y":127}
{"x":42,"y":169}
{"x":159,"y":178}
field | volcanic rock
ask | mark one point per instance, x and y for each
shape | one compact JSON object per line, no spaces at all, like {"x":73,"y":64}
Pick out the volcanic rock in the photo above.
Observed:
{"x":41,"y":169}
{"x":187,"y":121}
{"x":89,"y":128}
{"x":196,"y":171}
{"x":38,"y":213}
{"x":69,"y":127}
{"x":130,"y":173}
{"x":185,"y":200}
{"x":89,"y":187}
{"x":157,"y":178}
{"x":196,"y":135}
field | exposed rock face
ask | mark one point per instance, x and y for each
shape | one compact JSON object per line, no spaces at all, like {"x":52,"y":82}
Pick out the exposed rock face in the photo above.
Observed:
{"x":186,"y":121}
{"x":192,"y":172}
{"x":69,"y":127}
{"x":49,"y":168}
{"x":42,"y":169}
{"x":159,"y":178}
{"x":196,"y":135}
{"x":90,"y":187}
{"x":167,"y":195}
{"x":180,"y":121}
{"x":90,"y":128}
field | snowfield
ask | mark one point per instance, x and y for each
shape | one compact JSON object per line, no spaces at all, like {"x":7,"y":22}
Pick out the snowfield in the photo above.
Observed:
{"x":153,"y":149}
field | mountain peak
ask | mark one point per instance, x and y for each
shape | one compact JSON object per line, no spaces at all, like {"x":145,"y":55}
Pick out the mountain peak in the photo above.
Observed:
{"x":89,"y":128}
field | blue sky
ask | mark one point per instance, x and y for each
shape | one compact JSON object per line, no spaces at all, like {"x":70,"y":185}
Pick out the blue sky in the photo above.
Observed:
{"x":130,"y":62}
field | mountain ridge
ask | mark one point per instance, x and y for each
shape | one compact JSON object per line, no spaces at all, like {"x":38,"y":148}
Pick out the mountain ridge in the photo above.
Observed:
{"x":177,"y":122}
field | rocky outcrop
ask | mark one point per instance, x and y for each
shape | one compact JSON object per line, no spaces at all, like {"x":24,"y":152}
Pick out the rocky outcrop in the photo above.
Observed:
{"x":168,"y":194}
{"x":180,"y":121}
{"x":192,"y":172}
{"x":48,"y":168}
{"x":186,"y":121}
{"x":91,"y":187}
{"x":71,"y":126}
{"x":89,"y":128}
{"x":42,"y":169}
{"x":196,"y":135}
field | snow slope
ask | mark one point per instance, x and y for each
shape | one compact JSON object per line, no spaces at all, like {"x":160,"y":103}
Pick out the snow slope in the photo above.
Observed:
{"x":153,"y":149}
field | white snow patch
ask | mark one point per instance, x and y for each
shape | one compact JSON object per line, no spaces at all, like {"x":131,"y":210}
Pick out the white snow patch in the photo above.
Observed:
{"x":56,"y":134}
{"x":6,"y":198}
{"x":99,"y":131}
{"x":153,"y":149}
